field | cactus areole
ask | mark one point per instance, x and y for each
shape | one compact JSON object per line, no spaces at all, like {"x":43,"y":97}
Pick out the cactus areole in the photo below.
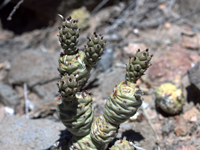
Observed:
{"x":75,"y":104}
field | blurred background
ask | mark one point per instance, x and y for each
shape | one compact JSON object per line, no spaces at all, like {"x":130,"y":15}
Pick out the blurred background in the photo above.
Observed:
{"x":29,"y":52}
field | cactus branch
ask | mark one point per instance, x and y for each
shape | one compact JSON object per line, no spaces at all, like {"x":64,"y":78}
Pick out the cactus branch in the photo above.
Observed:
{"x":75,"y":105}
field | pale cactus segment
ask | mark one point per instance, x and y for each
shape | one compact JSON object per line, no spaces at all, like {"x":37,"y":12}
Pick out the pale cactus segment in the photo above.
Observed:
{"x":122,"y":103}
{"x":102,"y":131}
{"x":74,"y":74}
{"x":122,"y":145}
{"x":77,"y":114}
{"x":83,"y":143}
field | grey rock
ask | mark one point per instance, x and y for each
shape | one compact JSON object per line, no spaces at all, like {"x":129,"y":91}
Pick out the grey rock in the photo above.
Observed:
{"x":33,"y":67}
{"x":139,"y":132}
{"x":48,"y":91}
{"x":110,"y":80}
{"x":194,"y":75}
{"x":8,"y":96}
{"x":167,"y":128}
{"x":102,"y":65}
{"x":106,"y":60}
{"x":22,"y":134}
{"x":11,"y":48}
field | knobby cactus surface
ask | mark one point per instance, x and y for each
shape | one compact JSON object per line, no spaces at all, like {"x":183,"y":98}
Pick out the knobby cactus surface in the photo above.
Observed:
{"x":169,"y":99}
{"x":75,"y":105}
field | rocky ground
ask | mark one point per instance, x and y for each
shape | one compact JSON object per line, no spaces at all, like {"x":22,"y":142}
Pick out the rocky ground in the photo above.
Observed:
{"x":29,"y":52}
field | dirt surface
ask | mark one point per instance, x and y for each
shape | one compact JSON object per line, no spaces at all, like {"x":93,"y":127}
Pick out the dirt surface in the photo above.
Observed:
{"x":29,"y":49}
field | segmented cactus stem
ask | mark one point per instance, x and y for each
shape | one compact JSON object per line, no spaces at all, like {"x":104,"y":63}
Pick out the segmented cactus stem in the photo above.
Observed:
{"x":122,"y":103}
{"x":94,"y":49}
{"x":68,"y":36}
{"x":137,"y":65}
{"x":77,"y":114}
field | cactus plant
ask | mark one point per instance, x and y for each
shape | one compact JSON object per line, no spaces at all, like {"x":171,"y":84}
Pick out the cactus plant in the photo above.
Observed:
{"x":75,"y":106}
{"x":169,"y":99}
{"x":122,"y":145}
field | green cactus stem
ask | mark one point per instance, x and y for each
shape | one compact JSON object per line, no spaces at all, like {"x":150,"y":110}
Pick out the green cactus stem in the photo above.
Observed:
{"x":77,"y":114}
{"x":74,"y":65}
{"x":83,"y":143}
{"x":138,"y":65}
{"x":102,"y":131}
{"x":122,"y":103}
{"x":94,"y":49}
{"x":68,"y":36}
{"x":74,"y":74}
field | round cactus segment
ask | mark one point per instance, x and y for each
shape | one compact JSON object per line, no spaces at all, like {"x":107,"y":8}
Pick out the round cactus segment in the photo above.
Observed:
{"x":83,"y":143}
{"x":102,"y":131}
{"x":70,"y":63}
{"x":68,"y":86}
{"x":122,"y":145}
{"x":137,"y":65}
{"x":68,"y":36}
{"x":122,"y":103}
{"x":94,"y":49}
{"x":77,"y":114}
{"x":74,"y":74}
{"x":169,"y":98}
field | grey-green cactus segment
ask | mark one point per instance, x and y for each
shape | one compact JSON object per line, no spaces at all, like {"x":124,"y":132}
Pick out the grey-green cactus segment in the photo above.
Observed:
{"x":83,"y":143}
{"x":169,"y":98}
{"x":137,"y":65}
{"x":122,"y":145}
{"x":70,"y":63}
{"x":68,"y":36}
{"x":68,"y":86}
{"x":94,"y":49}
{"x":102,"y":131}
{"x":77,"y":114}
{"x":74,"y":74}
{"x":122,"y":103}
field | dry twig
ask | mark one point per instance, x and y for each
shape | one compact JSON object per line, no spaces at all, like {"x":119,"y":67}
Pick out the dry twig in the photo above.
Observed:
{"x":99,"y":6}
{"x":14,"y":9}
{"x":26,"y":100}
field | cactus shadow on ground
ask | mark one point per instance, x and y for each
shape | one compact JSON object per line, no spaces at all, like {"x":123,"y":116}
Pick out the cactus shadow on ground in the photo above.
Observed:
{"x":164,"y":114}
{"x":65,"y":136}
{"x":131,"y":135}
{"x":193,"y":94}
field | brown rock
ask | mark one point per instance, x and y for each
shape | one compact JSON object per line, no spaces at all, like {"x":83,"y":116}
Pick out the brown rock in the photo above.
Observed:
{"x":190,"y":114}
{"x":191,"y":41}
{"x":181,"y":130}
{"x":171,"y":63}
{"x":190,"y":147}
